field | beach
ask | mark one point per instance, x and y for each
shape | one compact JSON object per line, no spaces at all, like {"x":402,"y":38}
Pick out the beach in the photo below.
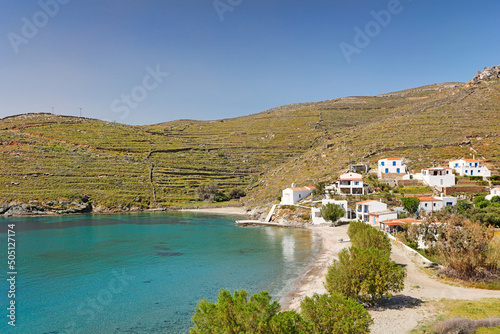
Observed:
{"x":313,"y":279}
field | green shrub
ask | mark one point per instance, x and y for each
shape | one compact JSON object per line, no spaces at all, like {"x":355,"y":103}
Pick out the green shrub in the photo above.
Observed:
{"x":364,"y":236}
{"x":410,"y":204}
{"x":235,"y":314}
{"x":335,"y":314}
{"x":332,"y":212}
{"x":365,"y":275}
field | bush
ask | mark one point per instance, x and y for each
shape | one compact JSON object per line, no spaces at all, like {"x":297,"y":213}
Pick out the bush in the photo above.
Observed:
{"x":335,"y":314}
{"x":206,"y":192}
{"x":332,"y":212}
{"x":238,"y":314}
{"x":464,"y":248}
{"x":237,"y":193}
{"x":220,"y":197}
{"x":365,"y":275}
{"x":364,"y":236}
{"x":487,"y":216}
{"x":410,"y":204}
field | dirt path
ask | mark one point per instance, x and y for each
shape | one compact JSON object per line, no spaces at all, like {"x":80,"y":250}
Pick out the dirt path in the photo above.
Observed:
{"x":406,"y":309}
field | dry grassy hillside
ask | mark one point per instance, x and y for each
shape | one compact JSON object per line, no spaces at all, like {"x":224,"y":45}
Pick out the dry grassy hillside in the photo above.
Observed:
{"x":45,"y":157}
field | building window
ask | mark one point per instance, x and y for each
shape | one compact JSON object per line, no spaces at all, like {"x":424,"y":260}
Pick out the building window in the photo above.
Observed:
{"x":398,"y":170}
{"x":425,"y":204}
{"x":356,"y":183}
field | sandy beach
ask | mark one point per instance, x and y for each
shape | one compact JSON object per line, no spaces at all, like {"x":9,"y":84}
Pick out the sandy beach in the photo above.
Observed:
{"x":313,"y":280}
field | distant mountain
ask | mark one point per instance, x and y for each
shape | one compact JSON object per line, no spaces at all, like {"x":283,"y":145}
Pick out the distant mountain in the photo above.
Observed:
{"x":57,"y":159}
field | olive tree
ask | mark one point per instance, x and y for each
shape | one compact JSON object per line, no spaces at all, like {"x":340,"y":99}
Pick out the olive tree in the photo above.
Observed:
{"x":332,"y":212}
{"x":335,"y":314}
{"x":365,"y":275}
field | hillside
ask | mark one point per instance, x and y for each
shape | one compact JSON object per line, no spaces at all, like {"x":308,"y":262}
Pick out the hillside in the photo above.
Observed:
{"x":45,"y":157}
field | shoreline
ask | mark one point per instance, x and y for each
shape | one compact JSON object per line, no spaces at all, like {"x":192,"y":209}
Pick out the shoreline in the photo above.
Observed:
{"x":312,"y":280}
{"x":229,"y":210}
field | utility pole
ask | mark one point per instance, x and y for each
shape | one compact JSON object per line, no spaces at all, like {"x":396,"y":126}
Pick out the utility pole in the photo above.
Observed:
{"x":52,"y":109}
{"x":80,"y":112}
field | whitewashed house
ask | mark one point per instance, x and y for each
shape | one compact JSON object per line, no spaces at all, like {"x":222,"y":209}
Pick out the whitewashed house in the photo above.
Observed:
{"x":295,"y":194}
{"x":438,"y":177}
{"x":380,"y":216}
{"x":391,"y":166}
{"x":493,"y":192}
{"x":316,"y":212}
{"x":469,"y":167}
{"x":431,"y":204}
{"x":364,"y":208}
{"x":349,"y":184}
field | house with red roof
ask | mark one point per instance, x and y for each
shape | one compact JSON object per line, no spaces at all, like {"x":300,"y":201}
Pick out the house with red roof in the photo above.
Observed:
{"x":431,"y":204}
{"x":295,"y":194}
{"x":349,"y":184}
{"x":394,"y":166}
{"x":438,"y":176}
{"x":364,"y":208}
{"x":469,"y":167}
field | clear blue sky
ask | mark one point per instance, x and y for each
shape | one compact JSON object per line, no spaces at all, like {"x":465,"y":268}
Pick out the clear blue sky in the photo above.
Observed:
{"x":240,"y":58}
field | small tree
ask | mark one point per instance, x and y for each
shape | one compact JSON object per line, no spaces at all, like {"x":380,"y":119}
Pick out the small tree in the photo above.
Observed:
{"x":207,"y":191}
{"x":464,"y":248}
{"x":365,"y":275}
{"x":410,"y":204}
{"x":427,"y":232}
{"x":335,"y":314}
{"x":364,"y":236}
{"x":332,"y":212}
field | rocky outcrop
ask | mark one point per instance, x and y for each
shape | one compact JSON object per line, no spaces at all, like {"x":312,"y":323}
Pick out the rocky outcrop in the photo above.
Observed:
{"x":36,"y":208}
{"x":489,"y":73}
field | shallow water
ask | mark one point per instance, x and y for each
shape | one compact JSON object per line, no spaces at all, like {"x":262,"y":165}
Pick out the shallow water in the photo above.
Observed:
{"x":140,"y":273}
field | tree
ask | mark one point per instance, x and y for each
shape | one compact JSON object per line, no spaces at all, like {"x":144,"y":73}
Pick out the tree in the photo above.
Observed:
{"x":410,"y":204}
{"x":206,"y":192}
{"x":332,"y":212}
{"x":364,"y":236}
{"x":365,"y":275}
{"x":427,"y":232}
{"x":240,"y":314}
{"x":335,"y":314}
{"x":464,"y":248}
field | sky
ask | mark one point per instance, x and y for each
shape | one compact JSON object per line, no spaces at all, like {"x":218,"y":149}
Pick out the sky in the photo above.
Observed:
{"x":149,"y":61}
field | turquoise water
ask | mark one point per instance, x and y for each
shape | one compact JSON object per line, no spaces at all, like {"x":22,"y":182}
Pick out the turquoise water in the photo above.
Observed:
{"x":140,"y":273}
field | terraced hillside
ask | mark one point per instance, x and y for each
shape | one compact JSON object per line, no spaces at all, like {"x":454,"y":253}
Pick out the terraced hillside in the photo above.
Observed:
{"x":45,"y":157}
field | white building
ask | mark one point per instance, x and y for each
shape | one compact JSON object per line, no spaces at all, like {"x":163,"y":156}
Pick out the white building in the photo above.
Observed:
{"x":350,"y":184}
{"x":469,"y":167}
{"x":438,"y":177}
{"x":380,"y":216}
{"x":493,"y":192}
{"x":391,"y":166}
{"x":364,"y":208}
{"x":431,"y":204}
{"x":294,"y":194}
{"x":316,"y":212}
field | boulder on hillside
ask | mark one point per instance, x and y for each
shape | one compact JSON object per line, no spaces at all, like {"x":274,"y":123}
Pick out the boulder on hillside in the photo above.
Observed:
{"x":489,"y":73}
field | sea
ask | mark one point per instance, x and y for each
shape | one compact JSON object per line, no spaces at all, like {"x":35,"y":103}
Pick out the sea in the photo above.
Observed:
{"x":137,"y":273}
